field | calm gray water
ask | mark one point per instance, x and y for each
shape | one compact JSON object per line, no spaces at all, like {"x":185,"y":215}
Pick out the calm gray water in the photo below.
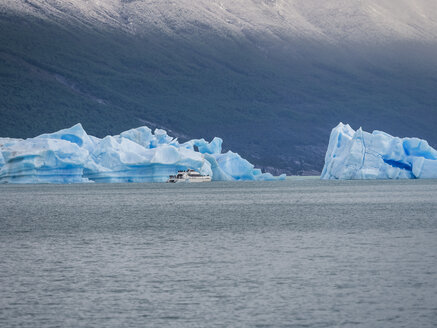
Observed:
{"x":297,"y":253}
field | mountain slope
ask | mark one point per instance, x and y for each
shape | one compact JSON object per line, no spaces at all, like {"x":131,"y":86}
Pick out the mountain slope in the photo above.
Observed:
{"x":271,"y":77}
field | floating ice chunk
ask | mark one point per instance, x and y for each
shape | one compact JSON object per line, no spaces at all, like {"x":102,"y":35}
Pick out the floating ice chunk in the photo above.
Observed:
{"x":7,"y":142}
{"x":76,"y":134}
{"x":142,"y":136}
{"x":378,"y":155}
{"x":116,"y":153}
{"x":160,"y":138}
{"x":218,"y":174}
{"x":213,"y":147}
{"x":136,"y":155}
{"x":233,"y":165}
{"x":43,"y":161}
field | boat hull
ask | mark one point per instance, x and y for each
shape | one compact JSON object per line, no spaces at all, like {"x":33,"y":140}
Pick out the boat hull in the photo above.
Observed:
{"x":188,"y":176}
{"x":191,"y":180}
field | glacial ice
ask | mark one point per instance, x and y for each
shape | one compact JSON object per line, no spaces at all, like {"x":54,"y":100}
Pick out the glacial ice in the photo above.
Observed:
{"x":377,"y":155}
{"x":137,"y":155}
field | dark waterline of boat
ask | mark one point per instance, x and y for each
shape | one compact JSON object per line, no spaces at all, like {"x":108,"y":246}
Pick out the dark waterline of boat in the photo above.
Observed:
{"x":294,"y":253}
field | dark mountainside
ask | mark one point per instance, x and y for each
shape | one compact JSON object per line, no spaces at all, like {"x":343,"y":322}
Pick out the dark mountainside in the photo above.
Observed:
{"x":274,"y":101}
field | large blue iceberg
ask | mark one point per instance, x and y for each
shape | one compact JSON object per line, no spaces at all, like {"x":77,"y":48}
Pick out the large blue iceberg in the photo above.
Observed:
{"x":377,"y":155}
{"x":137,"y":155}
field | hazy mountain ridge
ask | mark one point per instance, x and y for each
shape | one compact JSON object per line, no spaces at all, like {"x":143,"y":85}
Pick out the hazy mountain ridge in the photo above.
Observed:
{"x":271,"y":77}
{"x":335,"y":21}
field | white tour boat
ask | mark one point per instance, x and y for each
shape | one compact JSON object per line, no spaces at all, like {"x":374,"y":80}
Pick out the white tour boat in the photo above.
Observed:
{"x":189,"y":176}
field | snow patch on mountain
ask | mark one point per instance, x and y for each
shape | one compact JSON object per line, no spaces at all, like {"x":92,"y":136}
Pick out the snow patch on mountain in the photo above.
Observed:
{"x":332,"y":21}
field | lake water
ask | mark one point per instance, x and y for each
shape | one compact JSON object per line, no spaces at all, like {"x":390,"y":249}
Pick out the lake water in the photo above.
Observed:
{"x":295,"y":253}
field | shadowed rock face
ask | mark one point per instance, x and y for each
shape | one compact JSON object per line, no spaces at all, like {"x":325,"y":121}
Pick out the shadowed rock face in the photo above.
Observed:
{"x":272,"y":77}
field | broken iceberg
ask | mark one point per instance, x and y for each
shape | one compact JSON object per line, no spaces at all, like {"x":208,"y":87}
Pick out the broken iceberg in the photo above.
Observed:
{"x":377,"y":155}
{"x":136,"y":155}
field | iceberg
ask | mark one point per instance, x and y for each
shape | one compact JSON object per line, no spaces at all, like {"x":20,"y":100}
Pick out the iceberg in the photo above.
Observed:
{"x":137,"y":155}
{"x":377,"y":155}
